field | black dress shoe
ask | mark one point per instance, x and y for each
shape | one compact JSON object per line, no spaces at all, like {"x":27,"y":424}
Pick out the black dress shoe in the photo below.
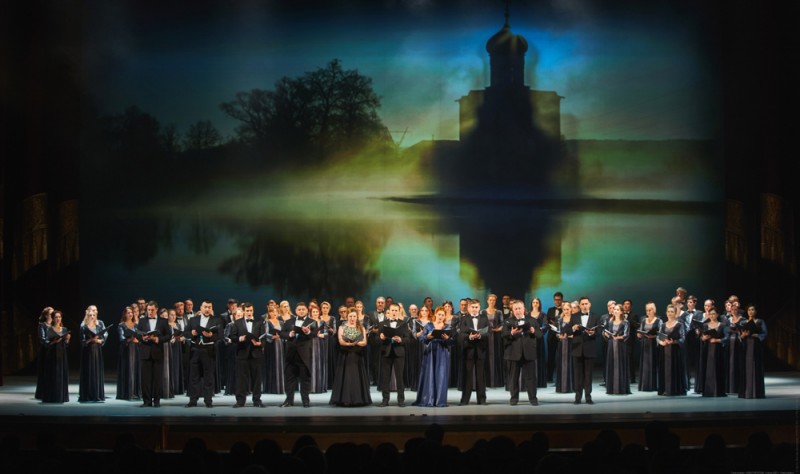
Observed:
{"x":401,"y":404}
{"x":287,"y":403}
{"x":589,"y":401}
{"x":306,"y":404}
{"x":484,"y":402}
{"x":258,"y":404}
{"x":143,"y":405}
{"x":463,"y":403}
{"x":191,"y":404}
{"x":238,"y":405}
{"x":383,"y":404}
{"x":535,"y":402}
{"x":209,"y":405}
{"x":513,"y":403}
{"x":157,"y":404}
{"x":577,"y":402}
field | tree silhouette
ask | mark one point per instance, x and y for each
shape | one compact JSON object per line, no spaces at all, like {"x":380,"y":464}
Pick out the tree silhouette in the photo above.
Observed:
{"x":311,"y":118}
{"x":201,"y":135}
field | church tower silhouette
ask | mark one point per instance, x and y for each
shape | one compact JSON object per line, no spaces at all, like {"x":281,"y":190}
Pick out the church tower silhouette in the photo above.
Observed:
{"x":510,"y":134}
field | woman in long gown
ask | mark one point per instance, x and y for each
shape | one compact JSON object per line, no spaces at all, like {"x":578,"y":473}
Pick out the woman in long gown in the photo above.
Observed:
{"x":129,"y":374}
{"x":166,"y":346}
{"x":735,"y":365}
{"x":616,"y":333}
{"x":413,"y":358}
{"x":45,"y":320}
{"x":753,"y":335}
{"x":55,"y":387}
{"x":672,"y":366}
{"x":319,"y":353}
{"x":563,"y":365}
{"x":456,"y":371}
{"x":647,"y":335}
{"x":176,"y":375}
{"x":714,"y":340}
{"x":274,"y":355}
{"x":331,"y":341}
{"x":540,"y":316}
{"x":434,"y":374}
{"x":92,"y":378}
{"x":423,"y":318}
{"x":351,"y":383}
{"x":495,"y":365}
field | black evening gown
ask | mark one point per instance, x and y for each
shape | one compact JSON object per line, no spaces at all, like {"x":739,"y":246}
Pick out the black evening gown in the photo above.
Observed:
{"x":456,"y":369}
{"x":413,"y":356}
{"x":41,"y":335}
{"x":563,"y":365}
{"x":753,"y":378}
{"x":541,"y":353}
{"x":648,"y":357}
{"x":332,"y":344}
{"x":617,"y":371}
{"x":319,"y":360}
{"x":735,"y":366}
{"x":274,"y":363}
{"x":495,"y":364}
{"x":92,"y":372}
{"x":671,"y":364}
{"x":713,"y":360}
{"x":228,"y":364}
{"x":129,"y":372}
{"x":350,"y":382}
{"x":176,"y":376}
{"x":166,"y":378}
{"x":56,"y":371}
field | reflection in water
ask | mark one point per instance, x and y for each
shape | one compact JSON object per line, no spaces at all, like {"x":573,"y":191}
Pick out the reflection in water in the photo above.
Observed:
{"x":301,"y":258}
{"x":409,"y":248}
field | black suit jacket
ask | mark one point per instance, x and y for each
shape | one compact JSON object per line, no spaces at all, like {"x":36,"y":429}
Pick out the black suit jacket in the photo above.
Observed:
{"x":194,"y":325}
{"x":245,"y":349}
{"x":300,"y":344}
{"x":521,"y":344}
{"x":553,"y":315}
{"x":475,"y":349}
{"x":150,"y":349}
{"x":389,"y":347}
{"x":583,"y":345}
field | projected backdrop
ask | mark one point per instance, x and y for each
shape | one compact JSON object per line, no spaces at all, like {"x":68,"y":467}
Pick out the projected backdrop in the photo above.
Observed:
{"x":443,"y":149}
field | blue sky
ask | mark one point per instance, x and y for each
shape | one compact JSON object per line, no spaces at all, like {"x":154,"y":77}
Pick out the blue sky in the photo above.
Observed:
{"x":623,"y":75}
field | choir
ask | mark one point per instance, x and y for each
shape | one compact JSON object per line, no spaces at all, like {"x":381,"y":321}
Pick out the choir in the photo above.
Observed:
{"x":424,"y":350}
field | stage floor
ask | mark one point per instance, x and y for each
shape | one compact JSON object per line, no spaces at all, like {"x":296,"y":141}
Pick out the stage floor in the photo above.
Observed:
{"x":95,"y":425}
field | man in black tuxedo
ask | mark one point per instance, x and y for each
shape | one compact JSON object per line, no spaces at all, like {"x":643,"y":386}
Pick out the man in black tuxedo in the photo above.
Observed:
{"x":553,"y":314}
{"x":246,"y":334}
{"x":205,"y":329}
{"x":583,"y":326}
{"x":472,"y":333}
{"x":520,"y":333}
{"x":298,"y":331}
{"x":152,"y":332}
{"x":393,"y":354}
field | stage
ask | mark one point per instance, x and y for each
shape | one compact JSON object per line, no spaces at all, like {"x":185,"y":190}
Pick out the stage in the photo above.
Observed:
{"x":94,"y":426}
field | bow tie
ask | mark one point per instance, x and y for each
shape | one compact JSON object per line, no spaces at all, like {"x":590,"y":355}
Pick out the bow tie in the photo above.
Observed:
{"x":585,"y":314}
{"x":152,"y":318}
{"x":249,"y":320}
{"x":474,"y":317}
